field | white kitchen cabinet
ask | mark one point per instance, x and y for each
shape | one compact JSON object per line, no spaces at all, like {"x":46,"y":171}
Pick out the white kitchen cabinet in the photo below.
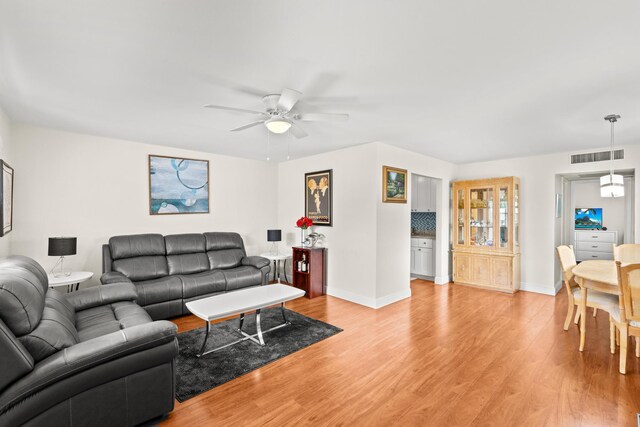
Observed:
{"x":423,"y":194}
{"x":422,"y":257}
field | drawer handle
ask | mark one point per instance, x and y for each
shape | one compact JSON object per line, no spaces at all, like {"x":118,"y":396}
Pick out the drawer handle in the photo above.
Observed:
{"x":594,"y":237}
{"x":595,"y":246}
{"x":594,"y":256}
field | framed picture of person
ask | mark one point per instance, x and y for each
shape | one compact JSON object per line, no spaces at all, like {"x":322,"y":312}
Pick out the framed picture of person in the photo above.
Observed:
{"x":394,"y":185}
{"x":318,"y":198}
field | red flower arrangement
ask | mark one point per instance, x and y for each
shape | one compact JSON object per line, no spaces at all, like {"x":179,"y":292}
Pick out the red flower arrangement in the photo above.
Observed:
{"x":304,"y":222}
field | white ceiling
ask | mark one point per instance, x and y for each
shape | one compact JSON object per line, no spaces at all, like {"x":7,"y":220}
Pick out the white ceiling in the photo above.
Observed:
{"x":457,"y":80}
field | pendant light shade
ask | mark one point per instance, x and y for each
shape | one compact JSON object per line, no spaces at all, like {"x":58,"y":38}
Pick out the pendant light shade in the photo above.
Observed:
{"x":612,"y":185}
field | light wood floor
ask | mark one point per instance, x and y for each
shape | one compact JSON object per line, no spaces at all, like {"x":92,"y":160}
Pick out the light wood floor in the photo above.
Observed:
{"x":449,"y":355}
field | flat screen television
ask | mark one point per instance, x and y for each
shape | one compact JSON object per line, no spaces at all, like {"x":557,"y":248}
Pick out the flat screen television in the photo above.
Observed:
{"x":588,"y":218}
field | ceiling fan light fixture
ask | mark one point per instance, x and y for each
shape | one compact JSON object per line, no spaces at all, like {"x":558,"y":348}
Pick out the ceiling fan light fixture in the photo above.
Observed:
{"x":278,"y":125}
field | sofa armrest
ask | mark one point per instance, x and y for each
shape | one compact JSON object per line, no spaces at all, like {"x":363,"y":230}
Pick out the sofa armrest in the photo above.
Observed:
{"x":89,"y":354}
{"x":101,"y":295}
{"x":256,"y":261}
{"x":114,"y":277}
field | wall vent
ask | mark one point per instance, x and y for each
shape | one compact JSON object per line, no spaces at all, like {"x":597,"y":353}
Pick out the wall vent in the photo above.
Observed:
{"x":596,"y":157}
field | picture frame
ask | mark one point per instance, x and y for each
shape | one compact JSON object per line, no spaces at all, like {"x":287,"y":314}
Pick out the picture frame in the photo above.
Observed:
{"x":318,"y":197}
{"x":6,"y":198}
{"x":394,"y":185}
{"x":178,"y":185}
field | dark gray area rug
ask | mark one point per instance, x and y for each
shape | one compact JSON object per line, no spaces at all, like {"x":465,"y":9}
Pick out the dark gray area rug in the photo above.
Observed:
{"x":199,"y":374}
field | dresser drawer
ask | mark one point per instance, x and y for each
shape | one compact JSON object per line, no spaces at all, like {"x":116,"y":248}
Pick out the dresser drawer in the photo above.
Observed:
{"x":587,"y":255}
{"x":596,"y":236}
{"x":595,"y":246}
{"x":421,"y":243}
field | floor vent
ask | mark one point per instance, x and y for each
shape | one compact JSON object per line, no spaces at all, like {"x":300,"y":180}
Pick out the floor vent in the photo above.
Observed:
{"x":596,"y":157}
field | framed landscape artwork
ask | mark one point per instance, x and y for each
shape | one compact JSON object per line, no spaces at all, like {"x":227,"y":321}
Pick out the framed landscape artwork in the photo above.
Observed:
{"x":318,"y":199}
{"x":6,"y":198}
{"x":178,"y":186}
{"x":394,"y":185}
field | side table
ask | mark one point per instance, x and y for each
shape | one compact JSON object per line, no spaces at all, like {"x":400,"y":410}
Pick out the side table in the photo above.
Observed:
{"x":75,"y":278}
{"x":276,"y":258}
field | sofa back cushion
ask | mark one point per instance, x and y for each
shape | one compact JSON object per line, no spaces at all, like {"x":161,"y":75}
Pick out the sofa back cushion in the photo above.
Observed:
{"x":140,"y":256}
{"x":23,"y":285}
{"x":186,"y":253}
{"x":224,"y":250}
{"x":54,"y":333}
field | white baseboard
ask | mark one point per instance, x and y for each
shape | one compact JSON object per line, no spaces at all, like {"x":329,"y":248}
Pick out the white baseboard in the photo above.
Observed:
{"x":441,"y":280}
{"x":368,"y":301}
{"x":540,"y":289}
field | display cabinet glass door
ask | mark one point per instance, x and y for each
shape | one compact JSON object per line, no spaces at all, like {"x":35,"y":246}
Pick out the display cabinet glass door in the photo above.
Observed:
{"x":461,"y":217}
{"x":481,"y":227}
{"x":516,"y":215}
{"x":503,"y":217}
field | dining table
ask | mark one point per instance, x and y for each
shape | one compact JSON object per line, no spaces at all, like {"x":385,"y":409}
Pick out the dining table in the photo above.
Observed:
{"x":599,"y":275}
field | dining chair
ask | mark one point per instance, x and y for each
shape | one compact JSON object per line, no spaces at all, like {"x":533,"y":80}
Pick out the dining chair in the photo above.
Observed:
{"x":627,"y":253}
{"x":595,"y":299}
{"x":626,"y":318}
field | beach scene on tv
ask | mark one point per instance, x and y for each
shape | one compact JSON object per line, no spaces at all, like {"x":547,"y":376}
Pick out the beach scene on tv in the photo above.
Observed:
{"x":589,"y":218}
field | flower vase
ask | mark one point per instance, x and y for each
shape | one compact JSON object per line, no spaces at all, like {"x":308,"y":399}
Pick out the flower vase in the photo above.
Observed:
{"x":302,"y":236}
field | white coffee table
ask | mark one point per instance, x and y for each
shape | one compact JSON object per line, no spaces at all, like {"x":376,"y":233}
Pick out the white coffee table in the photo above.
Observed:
{"x":74,"y":278}
{"x":240,"y":302}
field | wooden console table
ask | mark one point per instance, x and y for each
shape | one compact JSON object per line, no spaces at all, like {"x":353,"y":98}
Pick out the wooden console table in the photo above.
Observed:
{"x":311,"y":281}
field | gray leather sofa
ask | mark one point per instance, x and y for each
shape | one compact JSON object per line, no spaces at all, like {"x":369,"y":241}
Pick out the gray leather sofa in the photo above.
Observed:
{"x":172,"y":270}
{"x":91,"y":357}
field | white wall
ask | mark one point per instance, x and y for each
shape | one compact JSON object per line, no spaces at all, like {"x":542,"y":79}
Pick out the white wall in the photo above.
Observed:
{"x":70,"y":184}
{"x":369,"y":243}
{"x":5,"y":154}
{"x":538,"y":187}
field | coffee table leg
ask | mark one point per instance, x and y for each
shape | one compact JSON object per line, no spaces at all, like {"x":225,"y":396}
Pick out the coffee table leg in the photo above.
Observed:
{"x":206,"y":336}
{"x":260,"y":339}
{"x":241,"y":321}
{"x":284,"y":315}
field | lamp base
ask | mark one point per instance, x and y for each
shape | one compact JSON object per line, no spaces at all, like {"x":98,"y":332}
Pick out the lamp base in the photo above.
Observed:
{"x":60,"y":272}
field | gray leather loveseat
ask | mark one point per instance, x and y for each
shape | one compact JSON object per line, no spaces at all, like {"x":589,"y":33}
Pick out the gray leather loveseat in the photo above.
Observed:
{"x":169,"y":271}
{"x":91,"y":357}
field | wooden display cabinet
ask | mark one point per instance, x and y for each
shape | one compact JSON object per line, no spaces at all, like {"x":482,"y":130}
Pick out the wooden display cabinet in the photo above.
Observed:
{"x":486,"y":227}
{"x":313,"y":280}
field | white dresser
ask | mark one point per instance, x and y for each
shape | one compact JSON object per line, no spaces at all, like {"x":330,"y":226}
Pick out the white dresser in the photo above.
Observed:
{"x":594,"y":244}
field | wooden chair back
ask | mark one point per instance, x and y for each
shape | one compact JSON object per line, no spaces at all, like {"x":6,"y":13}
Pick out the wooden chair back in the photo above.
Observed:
{"x":567,"y":262}
{"x":629,"y":283}
{"x":627,"y":253}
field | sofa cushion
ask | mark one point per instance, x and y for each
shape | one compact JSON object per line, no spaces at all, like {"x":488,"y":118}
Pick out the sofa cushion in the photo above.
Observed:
{"x":159,"y":290}
{"x":137,"y":245}
{"x":53,"y":333}
{"x":225,"y":258}
{"x":23,"y":286}
{"x":220,"y":240}
{"x":242,"y":277}
{"x":59,"y":303}
{"x":142,"y":268}
{"x":202,"y":283}
{"x":98,"y":321}
{"x":178,"y":244}
{"x":187,"y":263}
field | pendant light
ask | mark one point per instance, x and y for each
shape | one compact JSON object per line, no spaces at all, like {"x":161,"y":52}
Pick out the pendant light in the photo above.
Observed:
{"x":612,"y":185}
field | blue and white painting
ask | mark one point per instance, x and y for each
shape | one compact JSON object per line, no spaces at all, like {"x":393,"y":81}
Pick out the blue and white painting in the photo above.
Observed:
{"x":178,"y":185}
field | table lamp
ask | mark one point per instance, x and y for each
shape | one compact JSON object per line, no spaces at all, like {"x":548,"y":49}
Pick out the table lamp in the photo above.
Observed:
{"x":62,"y":246}
{"x":274,"y":236}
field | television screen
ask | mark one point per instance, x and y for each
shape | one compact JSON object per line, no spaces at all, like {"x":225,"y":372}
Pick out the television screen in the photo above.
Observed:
{"x":589,"y":218}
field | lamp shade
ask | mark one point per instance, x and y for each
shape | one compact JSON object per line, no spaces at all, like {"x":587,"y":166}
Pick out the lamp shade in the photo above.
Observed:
{"x":62,"y":246}
{"x":612,"y":185}
{"x":274,"y":235}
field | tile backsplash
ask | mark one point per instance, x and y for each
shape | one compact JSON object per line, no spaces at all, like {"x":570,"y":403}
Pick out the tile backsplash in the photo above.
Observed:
{"x":423,"y":221}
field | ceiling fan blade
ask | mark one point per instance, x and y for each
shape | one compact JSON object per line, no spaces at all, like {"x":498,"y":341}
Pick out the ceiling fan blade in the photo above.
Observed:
{"x":288,"y":99}
{"x":323,"y":117}
{"x":242,"y":110}
{"x":250,"y":125}
{"x":297,"y":131}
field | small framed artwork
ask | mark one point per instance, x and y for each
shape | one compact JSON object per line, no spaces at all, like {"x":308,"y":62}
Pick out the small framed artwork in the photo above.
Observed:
{"x":394,"y":185}
{"x":318,"y":199}
{"x":178,"y":186}
{"x":6,"y":198}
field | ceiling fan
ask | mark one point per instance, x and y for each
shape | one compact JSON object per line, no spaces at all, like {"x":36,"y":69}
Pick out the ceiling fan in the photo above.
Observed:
{"x":279,"y":118}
